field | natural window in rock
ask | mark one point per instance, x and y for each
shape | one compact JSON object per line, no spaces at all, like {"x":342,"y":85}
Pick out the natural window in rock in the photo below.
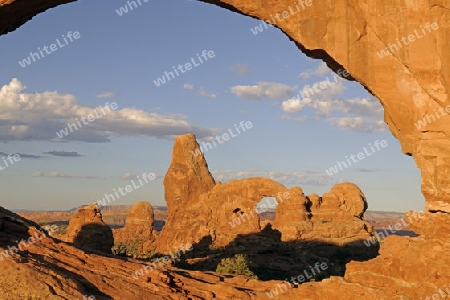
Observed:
{"x":266,"y":210}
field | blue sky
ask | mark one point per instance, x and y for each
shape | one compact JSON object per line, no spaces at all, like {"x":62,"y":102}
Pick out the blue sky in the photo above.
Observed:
{"x":253,"y":78}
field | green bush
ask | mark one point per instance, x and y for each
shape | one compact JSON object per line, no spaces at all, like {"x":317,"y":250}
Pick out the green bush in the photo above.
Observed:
{"x":215,"y":249}
{"x":235,"y":265}
{"x":119,"y":249}
{"x":129,"y":248}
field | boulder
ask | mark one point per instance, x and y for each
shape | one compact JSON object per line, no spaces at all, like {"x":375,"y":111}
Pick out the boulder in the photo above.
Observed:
{"x":87,"y":230}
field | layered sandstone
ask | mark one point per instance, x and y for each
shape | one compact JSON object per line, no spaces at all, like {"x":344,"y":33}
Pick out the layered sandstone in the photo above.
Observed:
{"x":50,"y":269}
{"x":186,"y":182}
{"x":198,"y":207}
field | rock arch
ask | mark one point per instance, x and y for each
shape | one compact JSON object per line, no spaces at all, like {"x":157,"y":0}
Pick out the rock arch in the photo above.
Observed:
{"x":199,"y":207}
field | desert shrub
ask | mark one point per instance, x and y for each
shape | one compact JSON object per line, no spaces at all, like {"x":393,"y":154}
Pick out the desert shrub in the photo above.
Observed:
{"x":60,"y":229}
{"x":119,"y":249}
{"x":215,"y":248}
{"x":235,"y":265}
{"x":129,"y":248}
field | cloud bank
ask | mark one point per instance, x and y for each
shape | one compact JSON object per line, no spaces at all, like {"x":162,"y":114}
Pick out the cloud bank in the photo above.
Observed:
{"x":38,"y":116}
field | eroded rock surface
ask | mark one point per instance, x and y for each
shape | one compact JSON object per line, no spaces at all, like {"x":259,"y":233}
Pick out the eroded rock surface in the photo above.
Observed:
{"x":336,"y":217}
{"x":292,"y":215}
{"x":198,"y":207}
{"x":87,"y":230}
{"x":51,"y":269}
{"x":412,"y":82}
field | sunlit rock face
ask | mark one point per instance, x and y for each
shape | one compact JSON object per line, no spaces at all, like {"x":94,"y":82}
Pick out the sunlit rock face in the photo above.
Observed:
{"x":88,"y":231}
{"x":199,"y":207}
{"x":411,"y":77}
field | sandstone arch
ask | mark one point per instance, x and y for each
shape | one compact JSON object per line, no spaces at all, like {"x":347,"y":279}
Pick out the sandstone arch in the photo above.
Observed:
{"x":199,"y":207}
{"x":348,"y":34}
{"x":243,"y":195}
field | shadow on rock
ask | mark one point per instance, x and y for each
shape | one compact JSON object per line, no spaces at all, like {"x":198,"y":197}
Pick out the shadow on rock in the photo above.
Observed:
{"x":270,"y":258}
{"x":94,"y":237}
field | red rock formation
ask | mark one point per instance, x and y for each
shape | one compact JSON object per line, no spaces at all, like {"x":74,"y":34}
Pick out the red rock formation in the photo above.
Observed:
{"x":199,"y":208}
{"x":51,"y":269}
{"x":337,"y":216}
{"x":314,"y":201}
{"x":292,"y":216}
{"x":87,"y":230}
{"x":186,"y":182}
{"x":138,"y":228}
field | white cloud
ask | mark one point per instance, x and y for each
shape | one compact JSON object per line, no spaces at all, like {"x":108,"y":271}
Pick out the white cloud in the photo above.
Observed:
{"x":188,"y":86}
{"x":285,"y":178}
{"x":321,"y":70}
{"x":39,"y":116}
{"x":105,"y":95}
{"x":204,"y":93}
{"x":362,"y":107}
{"x":263,"y":90}
{"x":358,"y":124}
{"x":357,"y":114}
{"x":241,"y":69}
{"x":294,"y":105}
